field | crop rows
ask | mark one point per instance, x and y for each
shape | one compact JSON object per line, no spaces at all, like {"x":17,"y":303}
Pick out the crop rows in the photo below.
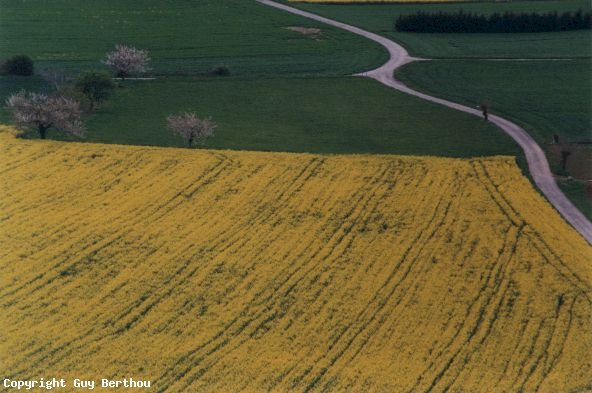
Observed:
{"x":219,"y":271}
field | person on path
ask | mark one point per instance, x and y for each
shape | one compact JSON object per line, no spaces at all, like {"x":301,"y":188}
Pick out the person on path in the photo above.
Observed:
{"x":484,"y":110}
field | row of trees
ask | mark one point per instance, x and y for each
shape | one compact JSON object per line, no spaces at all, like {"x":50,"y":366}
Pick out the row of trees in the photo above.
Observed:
{"x":508,"y":22}
{"x":62,"y":110}
{"x":41,"y":112}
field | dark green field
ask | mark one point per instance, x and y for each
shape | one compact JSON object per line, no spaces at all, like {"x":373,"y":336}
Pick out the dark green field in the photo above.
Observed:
{"x":322,"y":115}
{"x":183,"y":37}
{"x":380,"y":19}
{"x":546,"y":97}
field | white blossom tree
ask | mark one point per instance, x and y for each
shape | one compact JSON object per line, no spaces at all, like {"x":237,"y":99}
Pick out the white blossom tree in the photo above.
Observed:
{"x":42,"y":112}
{"x":190,"y":127}
{"x":126,"y":61}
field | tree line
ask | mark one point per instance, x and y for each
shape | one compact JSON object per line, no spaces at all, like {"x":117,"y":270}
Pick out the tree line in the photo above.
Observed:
{"x":507,"y":22}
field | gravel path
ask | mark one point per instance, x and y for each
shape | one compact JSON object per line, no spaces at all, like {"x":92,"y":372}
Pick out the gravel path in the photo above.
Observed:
{"x":537,"y":162}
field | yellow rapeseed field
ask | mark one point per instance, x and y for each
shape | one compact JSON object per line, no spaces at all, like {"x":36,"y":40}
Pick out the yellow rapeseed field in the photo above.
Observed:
{"x":220,"y":271}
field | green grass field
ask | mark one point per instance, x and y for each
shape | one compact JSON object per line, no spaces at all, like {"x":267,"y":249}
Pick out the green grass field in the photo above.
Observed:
{"x":183,"y":37}
{"x":546,"y":97}
{"x":381,"y":19}
{"x":321,"y":115}
{"x":577,"y":193}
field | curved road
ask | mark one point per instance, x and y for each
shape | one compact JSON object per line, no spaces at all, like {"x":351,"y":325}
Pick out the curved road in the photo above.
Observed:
{"x":537,"y":162}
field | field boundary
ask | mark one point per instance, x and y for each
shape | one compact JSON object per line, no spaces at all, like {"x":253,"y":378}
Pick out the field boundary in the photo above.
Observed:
{"x":535,"y":157}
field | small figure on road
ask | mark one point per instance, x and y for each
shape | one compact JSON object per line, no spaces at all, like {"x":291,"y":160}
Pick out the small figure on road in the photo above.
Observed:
{"x":484,"y":110}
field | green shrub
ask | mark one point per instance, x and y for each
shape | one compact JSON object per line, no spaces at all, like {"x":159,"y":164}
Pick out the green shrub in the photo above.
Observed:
{"x":18,"y":65}
{"x":95,"y":85}
{"x":221,"y":70}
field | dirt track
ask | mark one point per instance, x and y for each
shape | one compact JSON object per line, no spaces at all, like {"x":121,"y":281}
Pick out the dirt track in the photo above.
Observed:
{"x":537,"y":162}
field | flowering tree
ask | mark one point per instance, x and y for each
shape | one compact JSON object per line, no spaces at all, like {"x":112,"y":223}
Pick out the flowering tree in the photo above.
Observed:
{"x":190,"y":127}
{"x":42,"y":112}
{"x":126,"y":60}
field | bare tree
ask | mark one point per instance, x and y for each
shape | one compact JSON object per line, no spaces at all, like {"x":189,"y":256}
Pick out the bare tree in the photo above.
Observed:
{"x":564,"y":156}
{"x":56,"y":78}
{"x":126,"y":60}
{"x":190,"y":127}
{"x":42,"y":112}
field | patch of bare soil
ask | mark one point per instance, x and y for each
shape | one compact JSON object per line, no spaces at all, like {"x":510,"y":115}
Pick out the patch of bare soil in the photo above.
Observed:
{"x":312,"y":31}
{"x":578,"y":162}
